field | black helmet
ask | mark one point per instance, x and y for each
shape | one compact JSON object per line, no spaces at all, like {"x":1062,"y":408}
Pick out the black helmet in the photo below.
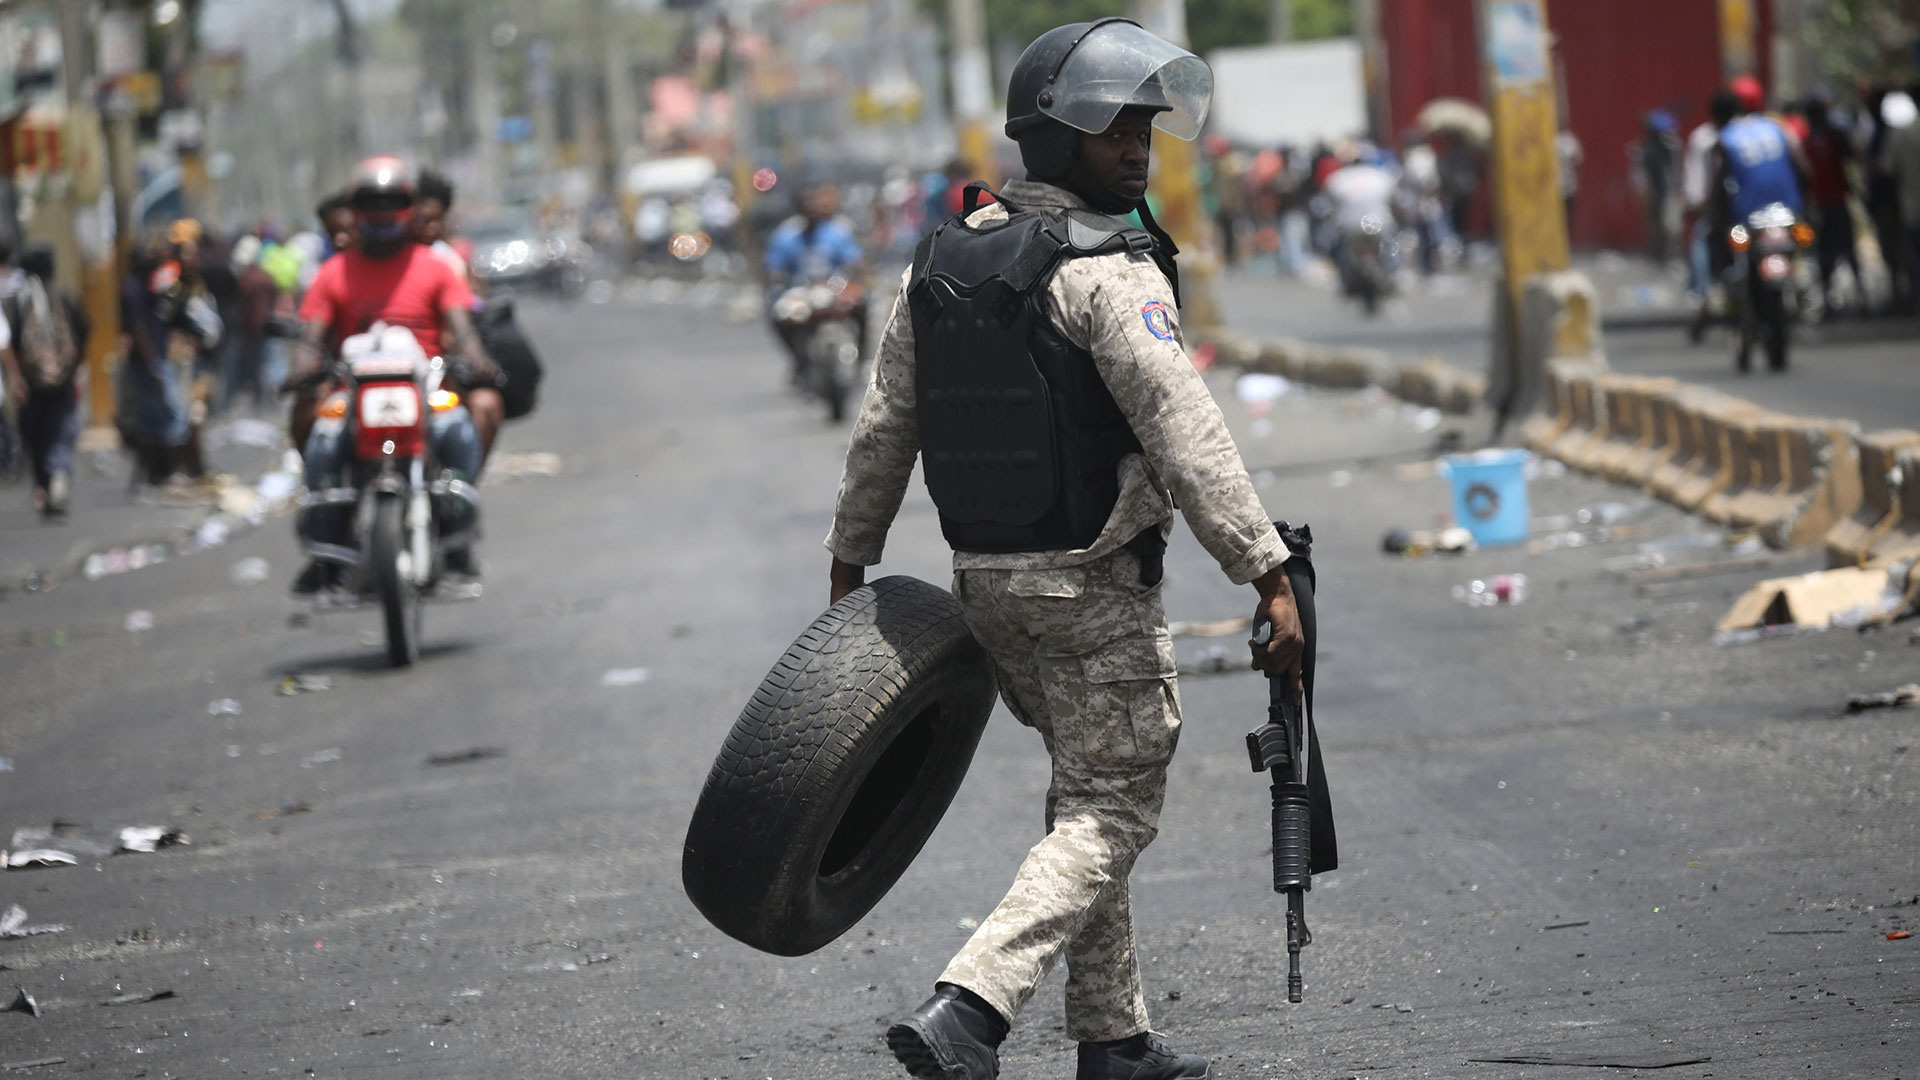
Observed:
{"x":381,"y":184}
{"x":1077,"y":78}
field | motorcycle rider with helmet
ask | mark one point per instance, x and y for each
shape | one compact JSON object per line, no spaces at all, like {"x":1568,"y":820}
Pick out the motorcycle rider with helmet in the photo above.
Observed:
{"x":385,"y":277}
{"x":813,"y":245}
{"x":1759,"y":162}
{"x":1033,"y":364}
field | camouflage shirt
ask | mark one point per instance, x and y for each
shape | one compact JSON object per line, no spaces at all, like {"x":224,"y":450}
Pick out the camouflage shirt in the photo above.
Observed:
{"x":1119,"y":308}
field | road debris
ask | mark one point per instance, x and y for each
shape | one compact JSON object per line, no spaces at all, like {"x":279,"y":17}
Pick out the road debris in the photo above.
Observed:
{"x":285,"y":810}
{"x":225,"y":706}
{"x":1418,"y":543}
{"x":147,"y":838}
{"x":1819,"y":600}
{"x":1567,"y":925}
{"x":66,"y":836}
{"x":1899,"y":935}
{"x":303,"y":684}
{"x":23,"y":1066}
{"x":1496,"y":591}
{"x":321,"y":757}
{"x":1210,"y":627}
{"x":250,"y":571}
{"x":23,"y":1002}
{"x":468,"y":756}
{"x":1653,"y":1060}
{"x":40,"y":857}
{"x":632,"y":676}
{"x":1260,"y":388}
{"x":120,"y":560}
{"x":1215,"y":661}
{"x":139,"y":997}
{"x":13,"y":924}
{"x":138,"y":621}
{"x":1900,"y":697}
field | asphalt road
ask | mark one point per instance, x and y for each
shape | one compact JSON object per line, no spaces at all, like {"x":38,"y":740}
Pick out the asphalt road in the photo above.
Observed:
{"x":1854,"y":369}
{"x":1572,"y":828}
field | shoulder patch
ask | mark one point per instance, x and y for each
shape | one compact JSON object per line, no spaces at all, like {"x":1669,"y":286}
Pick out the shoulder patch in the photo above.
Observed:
{"x":1159,"y":319}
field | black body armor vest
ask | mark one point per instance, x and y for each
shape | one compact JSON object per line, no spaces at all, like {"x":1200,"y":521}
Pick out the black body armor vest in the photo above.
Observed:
{"x":1020,"y":438}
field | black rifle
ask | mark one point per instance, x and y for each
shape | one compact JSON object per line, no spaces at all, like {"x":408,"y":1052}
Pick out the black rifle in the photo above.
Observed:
{"x":1286,"y":747}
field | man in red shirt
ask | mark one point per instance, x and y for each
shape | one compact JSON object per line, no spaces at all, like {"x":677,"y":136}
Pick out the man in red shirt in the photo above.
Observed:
{"x":387,"y":278}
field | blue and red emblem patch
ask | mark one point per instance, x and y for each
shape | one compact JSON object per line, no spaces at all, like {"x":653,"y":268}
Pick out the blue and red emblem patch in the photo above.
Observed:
{"x":1159,"y":319}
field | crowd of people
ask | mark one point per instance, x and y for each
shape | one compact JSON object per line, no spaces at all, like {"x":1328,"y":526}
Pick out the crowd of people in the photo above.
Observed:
{"x":207,"y":328}
{"x":1277,"y":208}
{"x":1856,"y":181}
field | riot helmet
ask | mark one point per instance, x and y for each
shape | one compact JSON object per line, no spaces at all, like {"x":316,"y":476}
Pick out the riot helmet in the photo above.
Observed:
{"x":1076,"y":78}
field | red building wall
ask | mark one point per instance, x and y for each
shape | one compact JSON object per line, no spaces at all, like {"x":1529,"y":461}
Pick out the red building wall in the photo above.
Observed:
{"x":1616,"y":61}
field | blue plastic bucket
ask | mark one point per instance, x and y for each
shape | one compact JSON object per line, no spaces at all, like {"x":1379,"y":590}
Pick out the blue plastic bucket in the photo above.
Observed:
{"x":1490,"y":495}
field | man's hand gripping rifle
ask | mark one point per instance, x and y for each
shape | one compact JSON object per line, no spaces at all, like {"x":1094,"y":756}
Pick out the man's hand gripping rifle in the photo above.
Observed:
{"x":1284,"y":746}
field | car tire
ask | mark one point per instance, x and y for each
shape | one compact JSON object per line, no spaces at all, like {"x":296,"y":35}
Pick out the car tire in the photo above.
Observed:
{"x":838,"y":769}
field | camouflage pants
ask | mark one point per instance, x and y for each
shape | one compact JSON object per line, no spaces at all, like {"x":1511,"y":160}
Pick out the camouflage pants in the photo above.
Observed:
{"x":1085,"y":659}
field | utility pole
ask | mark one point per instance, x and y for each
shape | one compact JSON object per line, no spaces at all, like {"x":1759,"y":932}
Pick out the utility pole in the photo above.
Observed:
{"x":972,"y":77}
{"x":1280,"y":20}
{"x":618,"y":125}
{"x":1529,"y":216}
{"x":483,"y":99}
{"x":1176,"y":182}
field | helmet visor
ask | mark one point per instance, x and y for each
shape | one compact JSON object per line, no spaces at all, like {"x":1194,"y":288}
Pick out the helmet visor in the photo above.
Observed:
{"x":1119,"y":64}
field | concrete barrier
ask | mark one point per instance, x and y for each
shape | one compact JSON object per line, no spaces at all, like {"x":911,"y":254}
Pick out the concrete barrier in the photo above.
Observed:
{"x":1586,"y":424}
{"x":1699,"y":465}
{"x":1559,"y":318}
{"x":1355,"y":368}
{"x":1821,"y":485}
{"x":1793,"y":478}
{"x":1540,"y":430}
{"x":1854,"y":538}
{"x":1630,"y":430}
{"x":1659,"y":409}
{"x":1902,"y":541}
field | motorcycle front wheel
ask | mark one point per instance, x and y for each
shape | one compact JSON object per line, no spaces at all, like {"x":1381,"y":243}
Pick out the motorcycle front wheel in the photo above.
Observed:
{"x":399,"y":602}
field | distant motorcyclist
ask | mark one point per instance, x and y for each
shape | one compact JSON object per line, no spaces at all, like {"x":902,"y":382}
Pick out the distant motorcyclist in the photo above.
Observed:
{"x":1760,"y":162}
{"x":814,"y":245}
{"x":386,"y":277}
{"x":1364,"y":221}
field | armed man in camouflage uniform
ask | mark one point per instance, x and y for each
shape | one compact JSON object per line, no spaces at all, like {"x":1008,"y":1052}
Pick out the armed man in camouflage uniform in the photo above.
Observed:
{"x":1033,"y":360}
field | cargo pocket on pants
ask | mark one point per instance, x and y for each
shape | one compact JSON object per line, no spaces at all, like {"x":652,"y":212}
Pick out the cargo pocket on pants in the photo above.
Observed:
{"x":1115,"y":706}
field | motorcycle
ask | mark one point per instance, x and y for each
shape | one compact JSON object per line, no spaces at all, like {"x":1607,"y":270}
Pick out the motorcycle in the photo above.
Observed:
{"x":407,"y":512}
{"x":1762,"y":288}
{"x":1367,"y":256}
{"x":823,"y":317}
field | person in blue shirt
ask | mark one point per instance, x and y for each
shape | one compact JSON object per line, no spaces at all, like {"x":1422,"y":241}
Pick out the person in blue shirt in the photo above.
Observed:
{"x":813,"y":245}
{"x":1760,"y":163}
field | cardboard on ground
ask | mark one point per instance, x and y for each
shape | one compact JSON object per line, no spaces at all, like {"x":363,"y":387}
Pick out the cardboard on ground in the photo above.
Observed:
{"x":1808,"y":599}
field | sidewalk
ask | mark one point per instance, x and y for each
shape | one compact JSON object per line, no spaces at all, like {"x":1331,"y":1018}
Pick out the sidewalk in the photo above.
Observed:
{"x":1867,"y":370}
{"x":128,"y":529}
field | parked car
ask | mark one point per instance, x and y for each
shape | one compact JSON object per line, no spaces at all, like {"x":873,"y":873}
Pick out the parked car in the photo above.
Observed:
{"x":510,"y":250}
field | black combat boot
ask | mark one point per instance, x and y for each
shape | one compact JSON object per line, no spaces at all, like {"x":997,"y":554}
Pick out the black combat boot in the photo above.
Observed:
{"x":1143,"y":1057}
{"x":954,"y":1036}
